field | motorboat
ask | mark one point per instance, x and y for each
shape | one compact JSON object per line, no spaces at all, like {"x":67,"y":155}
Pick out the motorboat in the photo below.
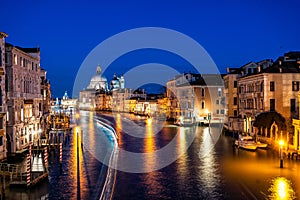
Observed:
{"x":184,"y":121}
{"x":246,"y":142}
{"x":261,"y":145}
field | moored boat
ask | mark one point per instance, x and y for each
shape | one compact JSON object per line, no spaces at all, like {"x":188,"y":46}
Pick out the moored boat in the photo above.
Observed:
{"x":246,"y":142}
{"x":261,"y":145}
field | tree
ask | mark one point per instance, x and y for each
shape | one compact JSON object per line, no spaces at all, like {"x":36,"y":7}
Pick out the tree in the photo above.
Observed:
{"x":266,"y":120}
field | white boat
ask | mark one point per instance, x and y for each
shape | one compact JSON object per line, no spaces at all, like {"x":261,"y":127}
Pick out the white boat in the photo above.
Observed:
{"x":246,"y":142}
{"x":261,"y":145}
{"x":184,"y":121}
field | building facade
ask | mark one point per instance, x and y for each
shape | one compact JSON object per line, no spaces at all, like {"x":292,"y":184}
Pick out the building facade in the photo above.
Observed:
{"x":24,"y":98}
{"x":231,"y":122}
{"x":119,"y":97}
{"x":99,"y":96}
{"x":196,"y":98}
{"x":3,"y":106}
{"x":265,"y":88}
{"x":45,"y":91}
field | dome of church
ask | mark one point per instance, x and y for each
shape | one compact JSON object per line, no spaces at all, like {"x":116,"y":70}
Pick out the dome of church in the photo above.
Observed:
{"x":115,"y":83}
{"x":98,"y":78}
{"x":98,"y":81}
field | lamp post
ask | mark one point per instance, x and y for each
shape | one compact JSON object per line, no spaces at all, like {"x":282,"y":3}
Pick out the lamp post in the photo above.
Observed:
{"x":209,"y":118}
{"x":281,"y":143}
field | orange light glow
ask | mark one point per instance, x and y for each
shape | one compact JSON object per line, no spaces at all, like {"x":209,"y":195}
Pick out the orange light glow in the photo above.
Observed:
{"x":281,"y":189}
{"x":281,"y":143}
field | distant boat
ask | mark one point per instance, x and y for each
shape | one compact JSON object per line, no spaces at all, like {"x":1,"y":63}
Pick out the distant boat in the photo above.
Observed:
{"x":246,"y":142}
{"x":185,"y":121}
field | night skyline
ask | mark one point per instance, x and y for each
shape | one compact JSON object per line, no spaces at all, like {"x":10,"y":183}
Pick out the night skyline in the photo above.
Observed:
{"x":233,"y":33}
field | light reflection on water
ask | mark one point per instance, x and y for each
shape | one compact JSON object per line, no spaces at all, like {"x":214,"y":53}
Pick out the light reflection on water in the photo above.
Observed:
{"x":281,"y":189}
{"x":209,"y":174}
{"x":205,"y":171}
{"x":150,"y":160}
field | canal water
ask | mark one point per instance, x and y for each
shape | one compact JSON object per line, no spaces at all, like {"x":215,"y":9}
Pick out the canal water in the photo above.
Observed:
{"x":210,"y":168}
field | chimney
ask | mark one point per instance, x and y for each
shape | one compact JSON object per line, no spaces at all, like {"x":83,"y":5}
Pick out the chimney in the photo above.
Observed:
{"x":227,"y":70}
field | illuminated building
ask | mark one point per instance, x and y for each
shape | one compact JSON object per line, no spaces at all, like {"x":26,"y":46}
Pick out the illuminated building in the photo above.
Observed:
{"x":24,"y":98}
{"x":196,"y":98}
{"x":98,"y":96}
{"x":3,"y":106}
{"x":264,"y":88}
{"x":87,"y":97}
{"x":68,"y":105}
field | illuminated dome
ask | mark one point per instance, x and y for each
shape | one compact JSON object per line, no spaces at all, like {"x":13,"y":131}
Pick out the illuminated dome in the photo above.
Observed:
{"x":98,"y":81}
{"x":115,"y":83}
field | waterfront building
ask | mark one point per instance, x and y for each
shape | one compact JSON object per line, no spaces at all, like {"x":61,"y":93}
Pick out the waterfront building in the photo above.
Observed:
{"x":46,"y":92}
{"x":24,"y":98}
{"x":98,"y":96}
{"x":270,"y":89}
{"x":131,"y":102}
{"x":3,"y":105}
{"x":231,"y":121}
{"x":172,"y":100}
{"x":196,"y":98}
{"x":103,"y":100}
{"x":68,"y":105}
{"x":119,"y":97}
{"x":296,"y":124}
{"x":262,"y":97}
{"x":238,"y":118}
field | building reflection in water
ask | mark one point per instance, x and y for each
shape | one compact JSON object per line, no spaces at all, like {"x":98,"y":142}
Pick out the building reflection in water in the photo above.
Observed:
{"x":87,"y":125}
{"x":208,"y":169}
{"x":118,"y":128}
{"x":181,"y":142}
{"x":182,"y":166}
{"x":153,"y":178}
{"x":281,"y":189}
{"x":91,"y":129}
{"x":149,"y":146}
{"x":77,"y":141}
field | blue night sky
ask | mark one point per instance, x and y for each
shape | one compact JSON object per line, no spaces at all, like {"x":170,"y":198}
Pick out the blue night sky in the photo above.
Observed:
{"x":232,"y":32}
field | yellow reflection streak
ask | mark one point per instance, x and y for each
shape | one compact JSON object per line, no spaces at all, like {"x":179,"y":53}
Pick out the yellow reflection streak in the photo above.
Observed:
{"x":77,"y":142}
{"x":149,"y":137}
{"x":150,"y":160}
{"x":73,"y":170}
{"x":281,"y":189}
{"x":119,"y":129}
{"x":91,"y":131}
{"x":206,"y":155}
{"x":181,"y":146}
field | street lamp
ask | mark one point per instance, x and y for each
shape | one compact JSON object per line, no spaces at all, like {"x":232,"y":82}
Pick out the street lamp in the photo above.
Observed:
{"x":281,"y":143}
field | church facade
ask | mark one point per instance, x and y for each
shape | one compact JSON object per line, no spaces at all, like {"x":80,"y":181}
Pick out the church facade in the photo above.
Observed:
{"x":98,"y":94}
